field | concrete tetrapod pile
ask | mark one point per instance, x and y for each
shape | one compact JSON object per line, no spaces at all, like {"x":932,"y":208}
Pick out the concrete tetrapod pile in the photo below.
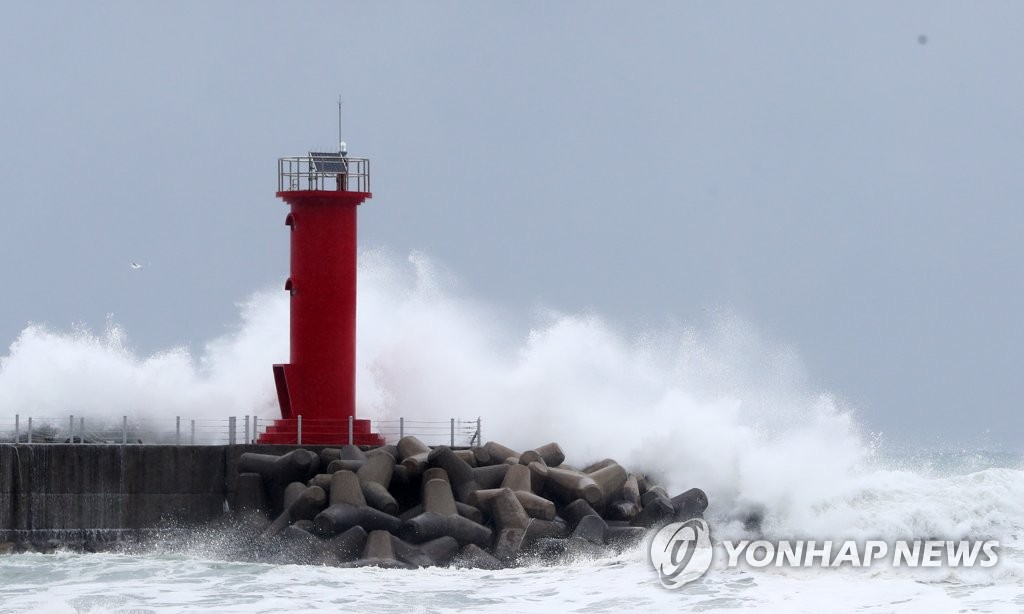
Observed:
{"x":409,"y":505}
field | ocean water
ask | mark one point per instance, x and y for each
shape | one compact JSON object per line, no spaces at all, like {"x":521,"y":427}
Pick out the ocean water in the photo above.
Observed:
{"x":193,"y":575}
{"x":179,"y":581}
{"x":715,"y":404}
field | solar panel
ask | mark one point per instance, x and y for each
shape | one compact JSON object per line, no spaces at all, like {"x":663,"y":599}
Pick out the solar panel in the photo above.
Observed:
{"x":328,"y":162}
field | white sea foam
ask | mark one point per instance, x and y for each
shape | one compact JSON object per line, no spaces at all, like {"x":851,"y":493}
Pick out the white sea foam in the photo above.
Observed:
{"x":101,"y":583}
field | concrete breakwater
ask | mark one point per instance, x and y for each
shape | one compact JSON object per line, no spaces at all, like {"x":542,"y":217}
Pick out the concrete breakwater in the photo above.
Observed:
{"x":401,"y":505}
{"x":87,"y":496}
{"x":409,"y":505}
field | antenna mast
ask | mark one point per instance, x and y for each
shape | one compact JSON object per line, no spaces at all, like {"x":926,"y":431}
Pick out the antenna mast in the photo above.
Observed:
{"x":339,"y":119}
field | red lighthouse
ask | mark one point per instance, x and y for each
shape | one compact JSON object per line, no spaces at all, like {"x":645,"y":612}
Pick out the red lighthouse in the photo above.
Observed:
{"x":318,"y":387}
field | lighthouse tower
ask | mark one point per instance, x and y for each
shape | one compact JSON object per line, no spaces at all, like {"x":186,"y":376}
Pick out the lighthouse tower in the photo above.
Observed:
{"x":317,"y":388}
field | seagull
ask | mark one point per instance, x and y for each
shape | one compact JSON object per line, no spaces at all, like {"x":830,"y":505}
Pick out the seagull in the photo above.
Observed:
{"x":135,"y":266}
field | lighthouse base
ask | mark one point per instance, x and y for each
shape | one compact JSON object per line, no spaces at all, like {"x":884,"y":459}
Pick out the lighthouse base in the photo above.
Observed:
{"x":320,"y":432}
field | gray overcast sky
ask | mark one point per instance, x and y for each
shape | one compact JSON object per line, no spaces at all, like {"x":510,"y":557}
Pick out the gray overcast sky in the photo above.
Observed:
{"x":812,"y":166}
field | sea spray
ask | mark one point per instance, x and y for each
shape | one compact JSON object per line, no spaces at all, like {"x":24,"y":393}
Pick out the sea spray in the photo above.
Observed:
{"x":721,"y":407}
{"x":718,"y":405}
{"x":51,"y":373}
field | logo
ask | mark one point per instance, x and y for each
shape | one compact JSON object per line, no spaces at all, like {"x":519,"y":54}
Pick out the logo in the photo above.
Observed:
{"x":829,"y":554}
{"x":681,"y":552}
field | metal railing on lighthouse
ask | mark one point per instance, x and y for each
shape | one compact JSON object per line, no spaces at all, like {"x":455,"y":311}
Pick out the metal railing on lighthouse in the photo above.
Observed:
{"x":323,"y":171}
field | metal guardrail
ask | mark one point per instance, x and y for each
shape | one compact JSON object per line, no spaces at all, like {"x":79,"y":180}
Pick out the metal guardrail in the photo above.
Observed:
{"x":209,"y":431}
{"x":315,"y":172}
{"x":457,"y":431}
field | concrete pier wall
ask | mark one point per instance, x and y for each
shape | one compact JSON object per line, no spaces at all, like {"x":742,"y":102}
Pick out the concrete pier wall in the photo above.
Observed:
{"x":88,"y":492}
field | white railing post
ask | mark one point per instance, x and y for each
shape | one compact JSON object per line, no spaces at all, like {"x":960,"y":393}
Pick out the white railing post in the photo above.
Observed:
{"x":351,"y":436}
{"x":231,"y":431}
{"x":30,"y":429}
{"x":247,"y":439}
{"x":124,"y":430}
{"x":255,"y":428}
{"x":81,"y":429}
{"x":71,"y":429}
{"x":177,"y":430}
{"x":479,"y":437}
{"x":17,"y":428}
{"x":401,"y":428}
{"x":298,"y":432}
{"x":193,"y":440}
{"x":453,"y":432}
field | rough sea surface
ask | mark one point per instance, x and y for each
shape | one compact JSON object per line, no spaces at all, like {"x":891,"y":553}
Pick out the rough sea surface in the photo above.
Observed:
{"x":191,"y":576}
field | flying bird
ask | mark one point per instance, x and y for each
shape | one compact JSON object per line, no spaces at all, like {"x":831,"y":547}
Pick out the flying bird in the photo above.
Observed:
{"x":135,"y":266}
